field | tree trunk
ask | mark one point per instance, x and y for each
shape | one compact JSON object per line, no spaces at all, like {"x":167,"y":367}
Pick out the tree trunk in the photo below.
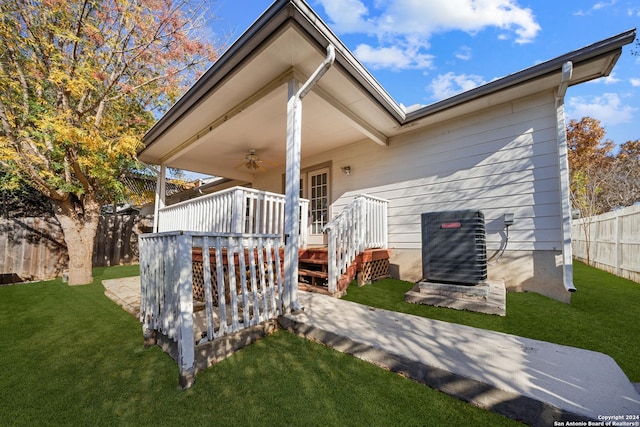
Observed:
{"x":79,"y":222}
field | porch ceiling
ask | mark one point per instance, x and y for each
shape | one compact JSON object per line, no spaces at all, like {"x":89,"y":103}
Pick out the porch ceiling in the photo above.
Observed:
{"x":248,"y":110}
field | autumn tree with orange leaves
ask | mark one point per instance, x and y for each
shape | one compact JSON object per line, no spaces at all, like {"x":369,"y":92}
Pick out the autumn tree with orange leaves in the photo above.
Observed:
{"x":80,"y":83}
{"x":590,"y":165}
{"x":600,"y":180}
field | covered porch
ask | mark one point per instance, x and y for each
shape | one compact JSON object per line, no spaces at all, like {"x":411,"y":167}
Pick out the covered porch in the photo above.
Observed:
{"x":237,"y":250}
{"x":215,"y":272}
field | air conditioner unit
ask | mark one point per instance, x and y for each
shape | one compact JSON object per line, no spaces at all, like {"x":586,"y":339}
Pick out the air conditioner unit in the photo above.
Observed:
{"x":454,"y":247}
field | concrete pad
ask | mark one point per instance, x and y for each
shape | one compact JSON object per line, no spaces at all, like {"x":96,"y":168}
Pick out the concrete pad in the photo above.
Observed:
{"x":488,"y":298}
{"x":533,"y":381}
{"x":125,"y":292}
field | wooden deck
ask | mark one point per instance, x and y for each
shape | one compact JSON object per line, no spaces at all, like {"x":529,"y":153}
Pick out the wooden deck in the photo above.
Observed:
{"x":370,"y":265}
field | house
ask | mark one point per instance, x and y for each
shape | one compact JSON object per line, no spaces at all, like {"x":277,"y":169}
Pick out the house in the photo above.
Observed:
{"x":499,"y":148}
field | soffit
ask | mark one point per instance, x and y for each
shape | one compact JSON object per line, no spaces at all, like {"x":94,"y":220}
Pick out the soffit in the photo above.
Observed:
{"x":248,"y":110}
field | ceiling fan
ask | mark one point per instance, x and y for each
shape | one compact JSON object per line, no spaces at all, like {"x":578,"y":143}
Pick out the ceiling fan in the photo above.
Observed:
{"x":253,"y":162}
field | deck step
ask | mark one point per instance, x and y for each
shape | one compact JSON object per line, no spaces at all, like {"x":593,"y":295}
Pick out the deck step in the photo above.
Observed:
{"x":313,"y":273}
{"x":313,"y":261}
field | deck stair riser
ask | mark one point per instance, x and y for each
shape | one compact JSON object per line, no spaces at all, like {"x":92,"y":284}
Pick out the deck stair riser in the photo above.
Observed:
{"x":313,"y":270}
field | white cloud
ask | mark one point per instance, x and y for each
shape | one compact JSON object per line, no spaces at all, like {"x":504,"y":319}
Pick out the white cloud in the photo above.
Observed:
{"x":608,"y":80}
{"x":634,"y":11}
{"x":411,"y":23}
{"x":447,"y":85}
{"x":348,"y":16}
{"x":608,"y":108}
{"x":597,"y":6}
{"x":464,"y":53}
{"x":635,"y":82}
{"x":392,"y":57}
{"x":603,"y":5}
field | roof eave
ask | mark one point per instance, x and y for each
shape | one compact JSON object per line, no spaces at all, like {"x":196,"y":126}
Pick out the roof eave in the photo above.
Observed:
{"x":269,"y":23}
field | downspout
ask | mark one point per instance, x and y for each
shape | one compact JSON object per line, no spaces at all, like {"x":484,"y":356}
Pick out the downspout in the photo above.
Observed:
{"x":292,"y":187}
{"x":563,"y":166}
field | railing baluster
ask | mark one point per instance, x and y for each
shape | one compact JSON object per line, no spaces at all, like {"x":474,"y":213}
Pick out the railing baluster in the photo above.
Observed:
{"x":263,"y":280}
{"x":255,"y":303}
{"x":242,"y":269}
{"x":222,"y":301}
{"x":233,"y":290}
{"x":279,"y":283}
{"x":206,"y":275}
{"x":272,"y":297}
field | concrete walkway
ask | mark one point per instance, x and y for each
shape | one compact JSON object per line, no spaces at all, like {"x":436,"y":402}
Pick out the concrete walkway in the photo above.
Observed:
{"x":125,"y":292}
{"x":533,"y":381}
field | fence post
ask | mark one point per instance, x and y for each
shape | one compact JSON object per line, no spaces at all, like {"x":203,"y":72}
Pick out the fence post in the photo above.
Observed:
{"x":618,"y":243}
{"x":186,"y":343}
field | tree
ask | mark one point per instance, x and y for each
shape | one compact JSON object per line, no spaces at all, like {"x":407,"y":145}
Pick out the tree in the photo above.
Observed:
{"x":591,"y":171}
{"x":627,"y":188}
{"x":79,"y":84}
{"x":591,"y":166}
{"x":600,"y":181}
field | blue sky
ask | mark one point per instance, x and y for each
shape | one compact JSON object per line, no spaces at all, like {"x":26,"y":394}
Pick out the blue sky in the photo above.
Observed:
{"x":423,"y":51}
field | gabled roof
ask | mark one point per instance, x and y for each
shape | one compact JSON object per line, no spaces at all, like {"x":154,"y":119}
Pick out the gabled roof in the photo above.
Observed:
{"x":240,"y":102}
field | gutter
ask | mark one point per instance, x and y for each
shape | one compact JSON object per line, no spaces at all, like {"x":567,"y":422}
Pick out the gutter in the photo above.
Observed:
{"x":563,"y":169}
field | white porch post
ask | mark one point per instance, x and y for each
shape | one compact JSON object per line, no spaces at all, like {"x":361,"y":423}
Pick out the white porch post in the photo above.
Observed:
{"x":161,"y":191}
{"x":292,"y":193}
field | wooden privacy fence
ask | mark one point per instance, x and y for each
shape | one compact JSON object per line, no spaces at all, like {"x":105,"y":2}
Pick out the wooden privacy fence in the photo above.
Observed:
{"x":612,"y":240}
{"x":34,"y":248}
{"x":31,"y":249}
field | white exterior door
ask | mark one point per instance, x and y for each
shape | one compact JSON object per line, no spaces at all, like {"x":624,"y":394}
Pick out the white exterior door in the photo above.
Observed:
{"x":317,"y":191}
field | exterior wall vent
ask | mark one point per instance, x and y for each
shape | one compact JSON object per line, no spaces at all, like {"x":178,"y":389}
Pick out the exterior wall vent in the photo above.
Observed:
{"x":454,"y":247}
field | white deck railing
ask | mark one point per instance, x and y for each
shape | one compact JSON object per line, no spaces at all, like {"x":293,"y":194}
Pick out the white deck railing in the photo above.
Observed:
{"x":235,"y":298}
{"x":362,"y":224}
{"x":236,"y":210}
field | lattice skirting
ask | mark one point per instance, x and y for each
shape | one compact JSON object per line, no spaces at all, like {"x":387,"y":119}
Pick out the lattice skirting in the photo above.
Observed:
{"x":374,"y":270}
{"x":198,"y":281}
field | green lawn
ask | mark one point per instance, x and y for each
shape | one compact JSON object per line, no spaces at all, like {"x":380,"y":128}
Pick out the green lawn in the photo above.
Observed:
{"x":604,"y":314}
{"x":70,"y":356}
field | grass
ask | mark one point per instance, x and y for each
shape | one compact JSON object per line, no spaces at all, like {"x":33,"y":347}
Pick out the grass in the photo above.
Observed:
{"x":70,"y":356}
{"x":604,"y":314}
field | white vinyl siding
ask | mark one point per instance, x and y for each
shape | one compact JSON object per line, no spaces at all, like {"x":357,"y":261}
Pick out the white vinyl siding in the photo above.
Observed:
{"x":503,"y":159}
